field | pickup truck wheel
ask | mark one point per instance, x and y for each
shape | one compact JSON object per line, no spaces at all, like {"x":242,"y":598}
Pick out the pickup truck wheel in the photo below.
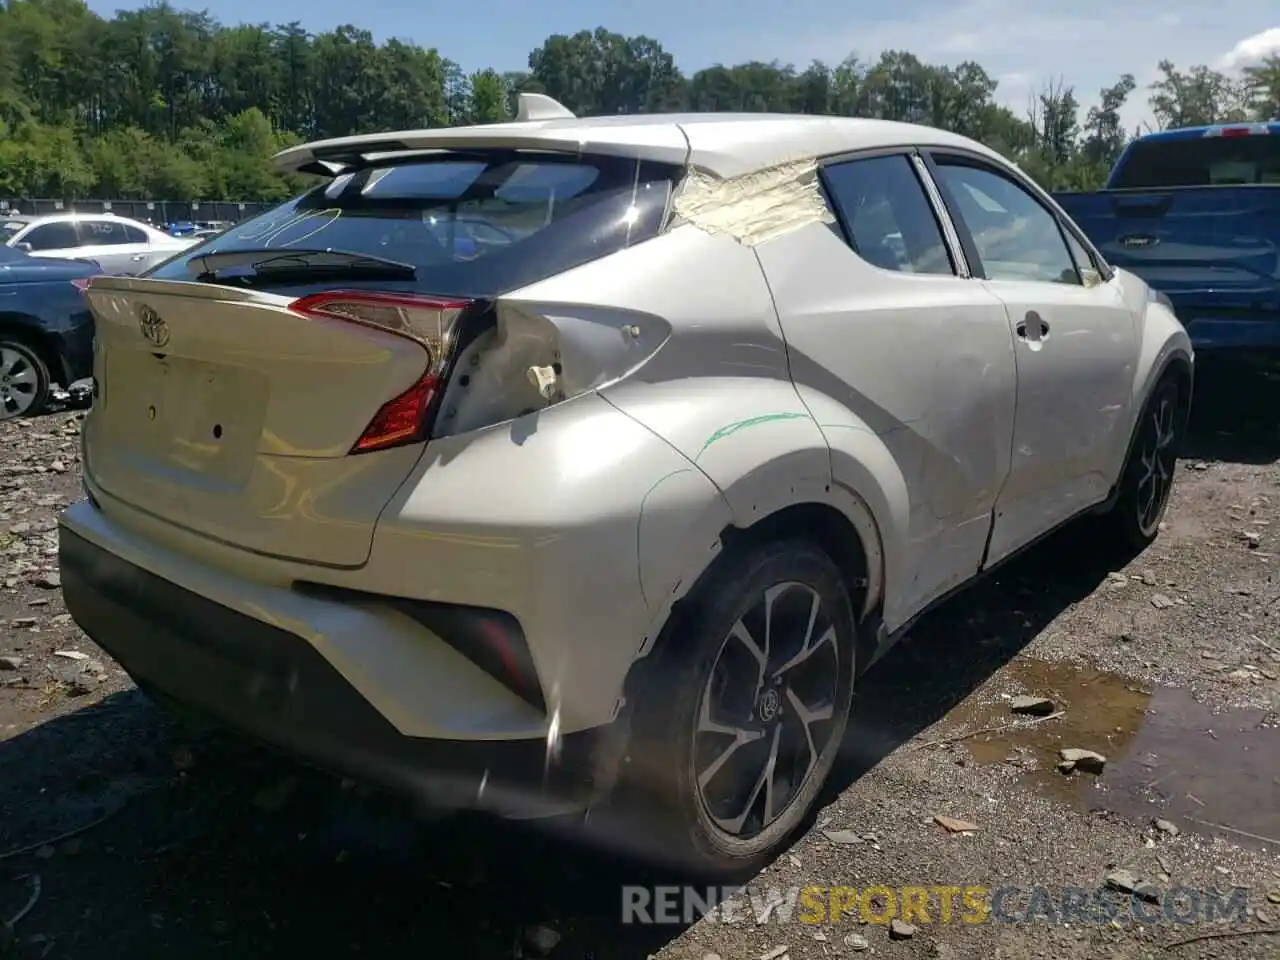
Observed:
{"x":1147,"y":482}
{"x":24,"y":380}
{"x":741,"y":722}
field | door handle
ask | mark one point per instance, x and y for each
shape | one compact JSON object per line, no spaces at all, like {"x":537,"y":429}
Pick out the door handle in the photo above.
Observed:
{"x":1032,"y":328}
{"x":138,"y":257}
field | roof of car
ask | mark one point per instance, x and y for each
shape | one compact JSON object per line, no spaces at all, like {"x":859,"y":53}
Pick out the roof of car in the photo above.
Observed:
{"x":79,"y":215}
{"x":724,"y":144}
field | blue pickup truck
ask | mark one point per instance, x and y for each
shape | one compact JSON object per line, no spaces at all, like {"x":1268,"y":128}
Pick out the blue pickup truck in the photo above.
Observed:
{"x":1196,"y":213}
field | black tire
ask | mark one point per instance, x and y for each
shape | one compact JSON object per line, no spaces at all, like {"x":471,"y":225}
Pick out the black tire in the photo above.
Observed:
{"x":1146,"y":485}
{"x":24,"y":380}
{"x":700,"y":646}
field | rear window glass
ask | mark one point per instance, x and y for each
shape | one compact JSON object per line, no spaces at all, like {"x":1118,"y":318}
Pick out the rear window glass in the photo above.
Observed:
{"x":474,"y":225}
{"x":1202,"y":162}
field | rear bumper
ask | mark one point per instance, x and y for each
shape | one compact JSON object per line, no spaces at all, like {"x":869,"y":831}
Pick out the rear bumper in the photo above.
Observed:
{"x":277,"y":687}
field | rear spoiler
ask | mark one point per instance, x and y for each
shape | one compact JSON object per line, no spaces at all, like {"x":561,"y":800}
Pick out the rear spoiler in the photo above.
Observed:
{"x":541,"y":124}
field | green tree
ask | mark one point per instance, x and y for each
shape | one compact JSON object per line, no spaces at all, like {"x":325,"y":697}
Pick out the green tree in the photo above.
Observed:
{"x":168,"y":104}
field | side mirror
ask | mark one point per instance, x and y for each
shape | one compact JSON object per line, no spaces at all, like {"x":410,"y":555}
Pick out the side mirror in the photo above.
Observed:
{"x":24,"y":247}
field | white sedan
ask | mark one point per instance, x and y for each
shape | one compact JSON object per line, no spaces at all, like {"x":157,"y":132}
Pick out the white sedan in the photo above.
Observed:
{"x":630,"y":494}
{"x":117,"y":244}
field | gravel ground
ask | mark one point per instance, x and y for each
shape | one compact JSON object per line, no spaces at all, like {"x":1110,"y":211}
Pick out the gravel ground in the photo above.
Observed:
{"x":122,"y":836}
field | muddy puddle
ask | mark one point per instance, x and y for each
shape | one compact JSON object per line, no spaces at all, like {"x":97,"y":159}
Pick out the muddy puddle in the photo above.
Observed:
{"x":1168,"y":756}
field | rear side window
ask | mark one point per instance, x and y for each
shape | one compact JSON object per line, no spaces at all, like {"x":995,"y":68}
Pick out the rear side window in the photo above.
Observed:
{"x":886,"y":215}
{"x":1201,"y":162}
{"x":473,"y":224}
{"x":133,"y":234}
{"x":97,"y":233}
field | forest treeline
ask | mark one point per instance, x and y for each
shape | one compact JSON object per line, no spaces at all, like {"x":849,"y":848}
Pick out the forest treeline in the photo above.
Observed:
{"x":163,"y":103}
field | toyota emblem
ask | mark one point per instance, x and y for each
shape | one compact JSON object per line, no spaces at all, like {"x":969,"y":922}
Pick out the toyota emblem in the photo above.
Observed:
{"x":153,"y":326}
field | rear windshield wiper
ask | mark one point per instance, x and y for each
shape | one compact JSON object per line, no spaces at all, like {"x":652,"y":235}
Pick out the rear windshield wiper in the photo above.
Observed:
{"x":209,"y":266}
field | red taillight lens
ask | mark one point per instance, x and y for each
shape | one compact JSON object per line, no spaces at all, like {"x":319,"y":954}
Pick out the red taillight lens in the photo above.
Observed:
{"x":1236,"y":132}
{"x":430,"y":322}
{"x":401,"y":420}
{"x":81,"y":283}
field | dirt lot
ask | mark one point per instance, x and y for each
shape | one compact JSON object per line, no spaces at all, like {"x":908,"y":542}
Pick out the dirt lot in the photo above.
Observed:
{"x":120,"y":836}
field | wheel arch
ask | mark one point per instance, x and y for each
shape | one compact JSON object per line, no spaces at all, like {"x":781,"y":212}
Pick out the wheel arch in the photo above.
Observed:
{"x":841,"y":525}
{"x":1164,"y":350}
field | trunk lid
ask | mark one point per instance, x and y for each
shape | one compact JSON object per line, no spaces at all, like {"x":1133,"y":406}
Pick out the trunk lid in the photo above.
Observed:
{"x":1215,"y":251}
{"x":222,"y":411}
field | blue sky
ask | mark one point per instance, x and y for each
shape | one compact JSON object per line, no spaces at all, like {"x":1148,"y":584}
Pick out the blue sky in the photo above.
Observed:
{"x":1023,"y":42}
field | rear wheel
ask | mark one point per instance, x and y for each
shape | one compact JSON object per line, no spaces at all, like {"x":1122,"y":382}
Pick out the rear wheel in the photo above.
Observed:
{"x":24,"y":380}
{"x":1147,"y":482}
{"x":742,"y":720}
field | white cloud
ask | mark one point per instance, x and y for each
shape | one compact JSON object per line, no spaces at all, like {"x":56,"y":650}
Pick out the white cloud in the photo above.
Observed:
{"x":1088,"y":44}
{"x":1252,"y":50}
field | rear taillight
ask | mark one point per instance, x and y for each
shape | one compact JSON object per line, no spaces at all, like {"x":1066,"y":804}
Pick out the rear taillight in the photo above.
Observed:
{"x":400,"y":421}
{"x":432,"y":323}
{"x":81,"y":283}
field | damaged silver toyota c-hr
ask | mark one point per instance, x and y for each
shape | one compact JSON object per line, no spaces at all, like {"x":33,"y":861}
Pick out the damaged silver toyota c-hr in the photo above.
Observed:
{"x":515,"y":462}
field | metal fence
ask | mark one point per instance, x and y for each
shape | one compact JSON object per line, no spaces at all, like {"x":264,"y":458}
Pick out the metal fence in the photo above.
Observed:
{"x":154,"y":211}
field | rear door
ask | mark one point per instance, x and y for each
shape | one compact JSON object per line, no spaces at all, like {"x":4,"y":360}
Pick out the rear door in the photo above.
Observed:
{"x":240,"y":382}
{"x":108,"y":242}
{"x":1075,"y":342}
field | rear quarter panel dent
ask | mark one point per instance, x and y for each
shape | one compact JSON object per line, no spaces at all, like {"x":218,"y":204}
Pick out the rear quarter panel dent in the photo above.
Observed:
{"x":572,"y":551}
{"x":757,"y":441}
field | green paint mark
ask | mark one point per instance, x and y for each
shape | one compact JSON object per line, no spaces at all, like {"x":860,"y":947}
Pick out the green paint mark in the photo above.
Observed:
{"x":733,"y":428}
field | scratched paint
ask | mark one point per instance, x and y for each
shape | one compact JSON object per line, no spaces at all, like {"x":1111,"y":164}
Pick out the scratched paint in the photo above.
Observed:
{"x":730,"y":429}
{"x":727,"y":430}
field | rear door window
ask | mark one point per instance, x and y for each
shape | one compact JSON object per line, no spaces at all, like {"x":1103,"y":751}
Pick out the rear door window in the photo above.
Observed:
{"x":103,"y":233}
{"x":473,"y":224}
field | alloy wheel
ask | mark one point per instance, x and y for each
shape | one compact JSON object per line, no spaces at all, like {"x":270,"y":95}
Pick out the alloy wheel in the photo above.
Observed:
{"x":1157,"y":459}
{"x":19,"y":382}
{"x":767,"y":713}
